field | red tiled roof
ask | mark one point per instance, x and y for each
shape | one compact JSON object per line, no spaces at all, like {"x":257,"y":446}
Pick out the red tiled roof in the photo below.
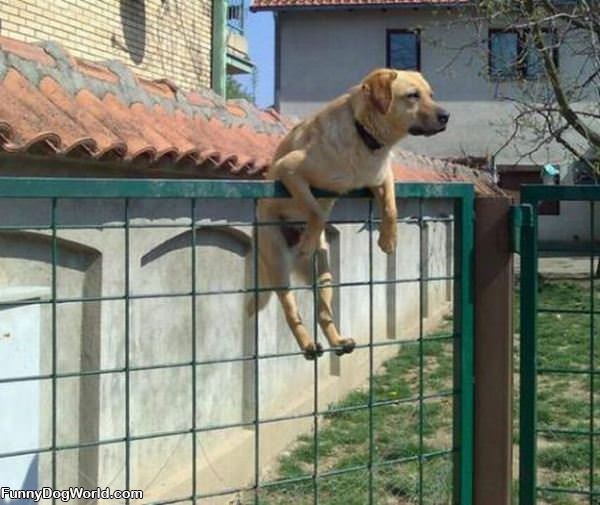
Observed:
{"x":54,"y":105}
{"x":410,"y":167}
{"x":258,"y":5}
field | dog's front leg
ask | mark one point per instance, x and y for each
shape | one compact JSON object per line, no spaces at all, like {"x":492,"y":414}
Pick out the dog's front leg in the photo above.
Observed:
{"x":386,"y":198}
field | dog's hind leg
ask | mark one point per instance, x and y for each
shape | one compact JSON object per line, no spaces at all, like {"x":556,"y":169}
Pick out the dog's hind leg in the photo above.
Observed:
{"x":275,"y":265}
{"x":310,"y":348}
{"x":325,"y":299}
{"x":257,"y":303}
{"x":280,"y":276}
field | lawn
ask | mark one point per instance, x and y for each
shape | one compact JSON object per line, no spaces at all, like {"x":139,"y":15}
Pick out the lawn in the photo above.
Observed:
{"x":564,"y":403}
{"x":343,"y":438}
{"x":564,"y":399}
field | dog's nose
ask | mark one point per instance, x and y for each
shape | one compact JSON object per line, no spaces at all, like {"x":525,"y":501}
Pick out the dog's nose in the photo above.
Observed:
{"x":443,"y":116}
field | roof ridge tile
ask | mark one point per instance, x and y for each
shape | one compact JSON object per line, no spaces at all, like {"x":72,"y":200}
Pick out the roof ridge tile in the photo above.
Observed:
{"x":57,"y":52}
{"x":29,"y":69}
{"x":131,"y":91}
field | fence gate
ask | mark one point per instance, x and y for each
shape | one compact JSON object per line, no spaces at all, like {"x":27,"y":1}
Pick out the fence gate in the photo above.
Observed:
{"x":559,"y":345}
{"x":119,"y":304}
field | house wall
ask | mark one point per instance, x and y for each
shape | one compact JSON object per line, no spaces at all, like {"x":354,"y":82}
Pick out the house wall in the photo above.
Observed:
{"x":323,"y":53}
{"x":158,"y":38}
{"x":572,"y":226}
{"x":92,"y":334}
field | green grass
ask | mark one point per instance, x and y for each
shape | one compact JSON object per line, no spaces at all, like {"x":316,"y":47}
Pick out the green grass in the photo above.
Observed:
{"x":343,"y":440}
{"x":564,"y":399}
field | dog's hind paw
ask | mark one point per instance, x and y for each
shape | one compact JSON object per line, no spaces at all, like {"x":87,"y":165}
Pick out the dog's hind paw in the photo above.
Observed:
{"x":346,"y":346}
{"x":313,"y":350}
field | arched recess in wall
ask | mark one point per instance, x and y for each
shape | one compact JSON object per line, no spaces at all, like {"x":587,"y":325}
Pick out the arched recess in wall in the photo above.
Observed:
{"x":26,"y":260}
{"x":224,"y":268}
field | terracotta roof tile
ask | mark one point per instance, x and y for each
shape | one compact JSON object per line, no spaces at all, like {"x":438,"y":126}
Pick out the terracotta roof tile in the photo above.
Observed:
{"x":26,"y":51}
{"x":161,"y":88}
{"x":53,"y":104}
{"x":410,"y":167}
{"x":96,"y":71}
{"x":258,"y":5}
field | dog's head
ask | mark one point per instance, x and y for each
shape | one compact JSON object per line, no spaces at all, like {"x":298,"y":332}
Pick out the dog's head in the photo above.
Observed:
{"x":403,"y":102}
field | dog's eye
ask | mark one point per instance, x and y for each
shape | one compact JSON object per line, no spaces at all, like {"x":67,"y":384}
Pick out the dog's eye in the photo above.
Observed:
{"x":414,"y":95}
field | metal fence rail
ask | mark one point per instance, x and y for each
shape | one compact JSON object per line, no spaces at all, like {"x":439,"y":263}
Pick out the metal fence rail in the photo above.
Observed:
{"x":192,"y":192}
{"x":539,"y":364}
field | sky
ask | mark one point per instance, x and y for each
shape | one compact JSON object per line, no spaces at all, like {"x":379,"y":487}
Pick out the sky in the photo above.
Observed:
{"x":260,"y":32}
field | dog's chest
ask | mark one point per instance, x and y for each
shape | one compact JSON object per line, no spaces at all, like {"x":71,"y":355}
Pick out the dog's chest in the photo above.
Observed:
{"x":359,"y":172}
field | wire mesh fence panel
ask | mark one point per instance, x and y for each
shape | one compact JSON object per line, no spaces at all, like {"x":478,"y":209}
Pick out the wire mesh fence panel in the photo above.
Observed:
{"x":558,"y":347}
{"x":140,"y":348}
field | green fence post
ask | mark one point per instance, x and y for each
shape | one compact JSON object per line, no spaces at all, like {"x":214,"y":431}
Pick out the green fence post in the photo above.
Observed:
{"x":528,"y":371}
{"x":463,"y":310}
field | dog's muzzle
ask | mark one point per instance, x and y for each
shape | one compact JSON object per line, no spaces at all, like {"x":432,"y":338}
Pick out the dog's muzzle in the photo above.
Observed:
{"x":443,"y":116}
{"x":422,"y":132}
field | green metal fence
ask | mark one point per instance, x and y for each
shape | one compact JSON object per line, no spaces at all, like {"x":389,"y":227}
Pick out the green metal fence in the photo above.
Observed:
{"x":558,"y":350}
{"x":365,"y":472}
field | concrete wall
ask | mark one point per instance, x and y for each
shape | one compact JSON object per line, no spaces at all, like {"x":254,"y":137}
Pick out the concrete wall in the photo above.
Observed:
{"x":157,"y":38}
{"x":20,"y":327}
{"x":323,"y":53}
{"x":91,"y":335}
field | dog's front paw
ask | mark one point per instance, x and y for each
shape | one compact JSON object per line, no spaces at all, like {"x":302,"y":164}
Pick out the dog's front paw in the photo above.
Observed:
{"x":313,"y":351}
{"x":387,"y":240}
{"x":346,"y":346}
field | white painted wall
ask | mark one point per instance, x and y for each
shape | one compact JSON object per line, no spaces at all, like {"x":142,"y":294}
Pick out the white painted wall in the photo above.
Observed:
{"x":91,"y":335}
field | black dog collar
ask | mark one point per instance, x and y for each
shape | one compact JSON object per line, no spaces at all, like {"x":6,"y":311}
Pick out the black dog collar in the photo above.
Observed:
{"x":371,"y":142}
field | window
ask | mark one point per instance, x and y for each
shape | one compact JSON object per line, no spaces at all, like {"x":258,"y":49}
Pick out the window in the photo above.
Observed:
{"x":403,"y":50}
{"x":504,"y":54}
{"x":513,"y":55}
{"x":235,"y":15}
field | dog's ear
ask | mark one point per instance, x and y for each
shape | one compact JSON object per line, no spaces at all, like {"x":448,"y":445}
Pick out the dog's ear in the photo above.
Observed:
{"x":378,"y":88}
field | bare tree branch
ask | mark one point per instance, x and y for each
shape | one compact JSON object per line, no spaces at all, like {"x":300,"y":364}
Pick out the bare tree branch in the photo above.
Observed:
{"x":552,"y":72}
